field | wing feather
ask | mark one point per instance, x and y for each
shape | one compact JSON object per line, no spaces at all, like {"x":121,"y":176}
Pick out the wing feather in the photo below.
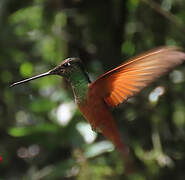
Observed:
{"x":126,"y":80}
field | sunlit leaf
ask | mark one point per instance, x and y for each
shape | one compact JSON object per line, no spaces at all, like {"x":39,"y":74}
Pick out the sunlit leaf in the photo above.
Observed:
{"x":27,"y":19}
{"x":26,"y":69}
{"x":99,"y":148}
{"x":24,"y":131}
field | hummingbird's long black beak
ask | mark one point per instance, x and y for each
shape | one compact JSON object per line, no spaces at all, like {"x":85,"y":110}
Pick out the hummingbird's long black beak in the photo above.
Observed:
{"x":32,"y":78}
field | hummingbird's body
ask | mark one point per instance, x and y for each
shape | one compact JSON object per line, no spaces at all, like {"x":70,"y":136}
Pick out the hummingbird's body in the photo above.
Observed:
{"x":113,"y":87}
{"x":93,"y":108}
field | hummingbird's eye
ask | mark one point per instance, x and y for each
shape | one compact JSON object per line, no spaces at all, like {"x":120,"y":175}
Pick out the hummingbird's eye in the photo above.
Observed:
{"x":66,"y":64}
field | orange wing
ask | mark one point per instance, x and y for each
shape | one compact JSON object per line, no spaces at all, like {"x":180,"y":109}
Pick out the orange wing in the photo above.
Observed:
{"x":126,"y":80}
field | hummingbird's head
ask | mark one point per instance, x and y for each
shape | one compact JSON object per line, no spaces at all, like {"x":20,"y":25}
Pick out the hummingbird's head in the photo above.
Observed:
{"x":66,"y":69}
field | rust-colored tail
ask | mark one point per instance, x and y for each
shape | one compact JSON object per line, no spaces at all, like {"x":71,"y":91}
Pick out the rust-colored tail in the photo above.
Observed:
{"x":110,"y":131}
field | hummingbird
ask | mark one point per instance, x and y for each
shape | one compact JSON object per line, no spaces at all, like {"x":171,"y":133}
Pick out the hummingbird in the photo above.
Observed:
{"x":94,"y":99}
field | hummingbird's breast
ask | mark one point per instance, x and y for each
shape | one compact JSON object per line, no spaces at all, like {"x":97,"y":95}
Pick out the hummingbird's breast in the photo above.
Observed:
{"x":80,"y":86}
{"x":97,"y":113}
{"x":93,"y":110}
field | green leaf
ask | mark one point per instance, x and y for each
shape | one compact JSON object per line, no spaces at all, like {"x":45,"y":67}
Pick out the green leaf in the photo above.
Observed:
{"x":24,"y":131}
{"x":26,"y":69}
{"x":42,"y":105}
{"x":128,"y":48}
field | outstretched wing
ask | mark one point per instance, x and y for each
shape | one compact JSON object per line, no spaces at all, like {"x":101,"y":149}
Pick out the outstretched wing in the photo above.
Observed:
{"x":118,"y":84}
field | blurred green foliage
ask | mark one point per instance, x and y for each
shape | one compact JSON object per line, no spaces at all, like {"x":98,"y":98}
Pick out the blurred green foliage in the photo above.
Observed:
{"x":42,"y":133}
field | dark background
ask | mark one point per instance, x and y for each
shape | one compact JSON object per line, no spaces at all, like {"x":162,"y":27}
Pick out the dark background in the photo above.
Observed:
{"x":35,"y":142}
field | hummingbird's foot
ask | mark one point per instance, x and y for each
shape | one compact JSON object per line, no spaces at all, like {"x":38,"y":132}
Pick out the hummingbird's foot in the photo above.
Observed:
{"x":96,"y":129}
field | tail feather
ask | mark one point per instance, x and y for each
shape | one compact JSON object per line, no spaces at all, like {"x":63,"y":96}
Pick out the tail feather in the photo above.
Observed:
{"x":110,"y":131}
